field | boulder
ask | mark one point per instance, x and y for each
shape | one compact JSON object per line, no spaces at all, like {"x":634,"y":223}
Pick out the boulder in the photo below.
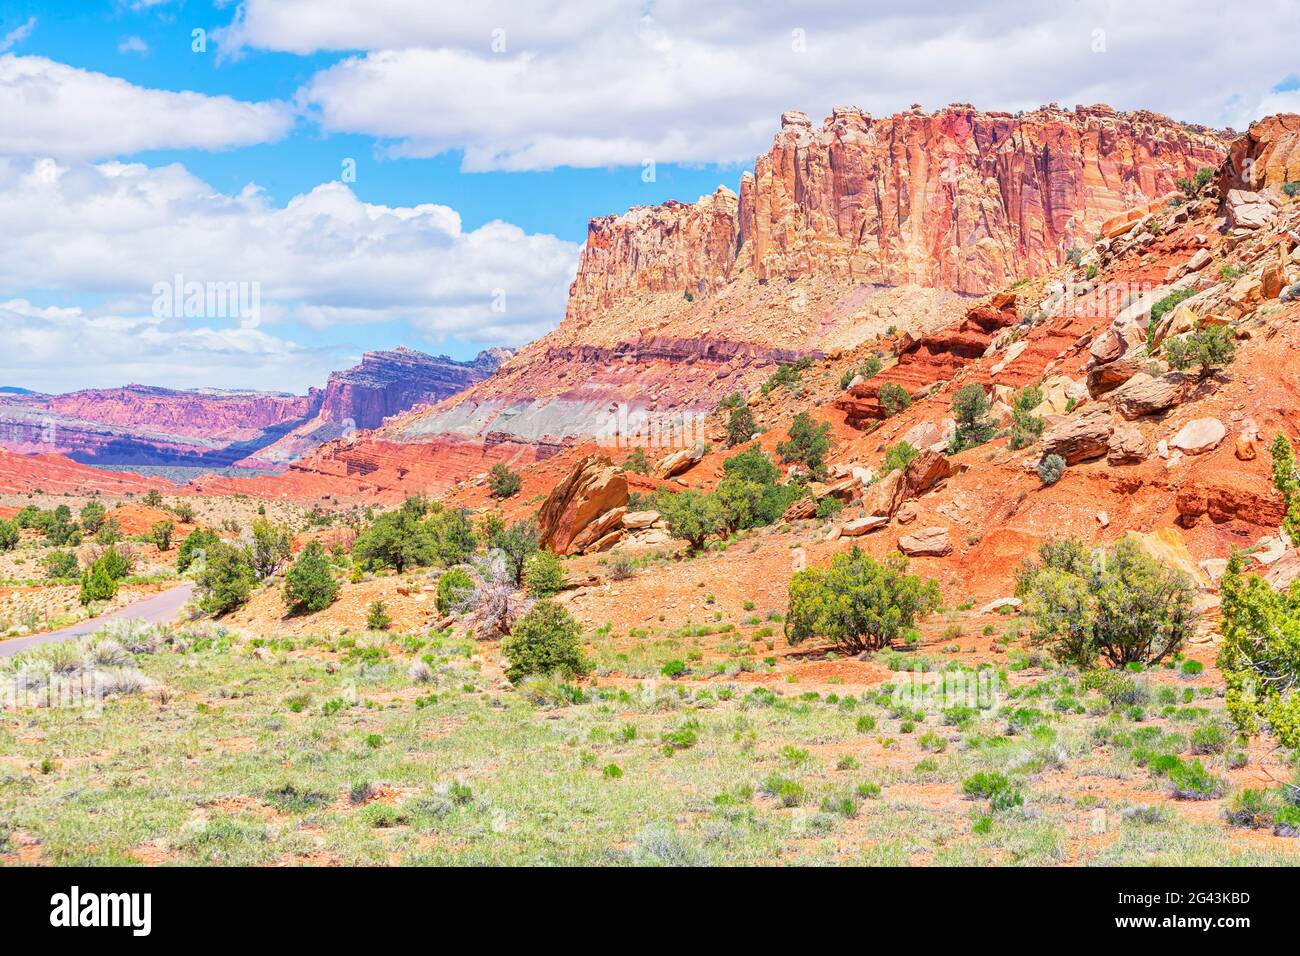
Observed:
{"x":883,"y":498}
{"x":927,"y":542}
{"x":1182,"y":319}
{"x":1199,"y":436}
{"x":1272,"y":280}
{"x":1000,"y":603}
{"x":670,"y":466}
{"x":801,"y":510}
{"x":594,"y":487}
{"x":1284,"y":571}
{"x":1143,"y":395}
{"x":1248,"y":210}
{"x":1108,"y":377}
{"x":1245,"y":450}
{"x":1081,"y":436}
{"x":923,"y":471}
{"x":636,"y":520}
{"x":860,"y":526}
{"x":1127,"y":446}
{"x":1059,"y":392}
{"x":931,"y":436}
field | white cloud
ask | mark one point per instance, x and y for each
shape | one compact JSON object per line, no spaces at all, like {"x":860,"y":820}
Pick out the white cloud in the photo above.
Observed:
{"x":51,"y":109}
{"x":17,"y":35}
{"x":62,"y":349}
{"x":323,"y":259}
{"x":133,"y":44}
{"x":613,"y":83}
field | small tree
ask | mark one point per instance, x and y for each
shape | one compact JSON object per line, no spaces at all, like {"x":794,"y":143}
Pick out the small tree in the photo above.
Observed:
{"x":517,"y":544}
{"x":1207,"y":346}
{"x":161,"y":535}
{"x":92,"y":516}
{"x":1125,"y":607}
{"x":1025,"y":425}
{"x":752,"y":464}
{"x":377,"y":617}
{"x":397,"y":539}
{"x":970,"y":407}
{"x":740,"y":425}
{"x":454,"y":589}
{"x":110,"y":532}
{"x":637,"y":463}
{"x":226,"y":580}
{"x":858,"y":603}
{"x":546,"y":640}
{"x":893,"y":398}
{"x":502,"y":482}
{"x":309,"y":585}
{"x":544,"y":574}
{"x":1287,"y":482}
{"x":453,"y":536}
{"x":8,"y":535}
{"x":98,"y":584}
{"x":1260,"y":654}
{"x":270,"y":548}
{"x":194,"y":546}
{"x":691,"y":515}
{"x":61,"y":565}
{"x":153,"y":498}
{"x":808,"y":444}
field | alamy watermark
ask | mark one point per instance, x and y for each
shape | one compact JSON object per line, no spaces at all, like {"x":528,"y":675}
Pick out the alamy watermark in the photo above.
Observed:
{"x":176,"y":298}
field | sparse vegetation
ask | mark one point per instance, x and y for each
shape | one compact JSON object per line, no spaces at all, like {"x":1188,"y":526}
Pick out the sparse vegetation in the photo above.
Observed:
{"x":309,"y":586}
{"x":546,"y":640}
{"x":1050,"y":469}
{"x":807,"y":444}
{"x":893,"y":398}
{"x":502,"y":482}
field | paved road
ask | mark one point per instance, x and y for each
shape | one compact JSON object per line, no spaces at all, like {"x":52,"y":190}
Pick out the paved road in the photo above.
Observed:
{"x":162,"y":608}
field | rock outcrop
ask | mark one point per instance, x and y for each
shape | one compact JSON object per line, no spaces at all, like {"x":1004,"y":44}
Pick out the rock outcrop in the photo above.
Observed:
{"x":1085,"y":434}
{"x":577,"y":512}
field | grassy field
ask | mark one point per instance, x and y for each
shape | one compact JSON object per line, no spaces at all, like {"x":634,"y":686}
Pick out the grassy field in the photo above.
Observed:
{"x":382,"y":750}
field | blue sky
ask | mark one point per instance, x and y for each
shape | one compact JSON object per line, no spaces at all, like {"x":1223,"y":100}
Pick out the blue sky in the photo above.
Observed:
{"x":483,"y":137}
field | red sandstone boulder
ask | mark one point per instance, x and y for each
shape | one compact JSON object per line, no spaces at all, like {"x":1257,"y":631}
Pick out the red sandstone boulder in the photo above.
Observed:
{"x":594,"y":488}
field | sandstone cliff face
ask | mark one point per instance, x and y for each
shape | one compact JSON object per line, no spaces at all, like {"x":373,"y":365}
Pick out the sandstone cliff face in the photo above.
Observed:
{"x":956,"y":199}
{"x":959,"y":198}
{"x":1265,"y":157}
{"x":201,"y":413}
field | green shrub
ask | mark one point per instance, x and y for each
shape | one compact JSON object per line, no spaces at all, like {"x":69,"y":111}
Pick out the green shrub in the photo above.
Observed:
{"x":740,"y":422}
{"x":226,"y":580}
{"x":195,"y":544}
{"x":1287,"y":481}
{"x":98,"y":584}
{"x":1291,"y":189}
{"x":857,"y":603}
{"x":897,"y":457}
{"x":691,"y":515}
{"x":1208,"y":346}
{"x":1050,"y":469}
{"x":92,"y":517}
{"x":546,"y":640}
{"x":808,"y":444}
{"x":1191,"y":781}
{"x":970,"y":407}
{"x":1192,"y":186}
{"x":544,"y":574}
{"x":454,"y":588}
{"x":61,"y":565}
{"x":502,"y":482}
{"x":869,"y":369}
{"x":377,"y":617}
{"x":309,"y":585}
{"x":517,"y":543}
{"x":829,"y":508}
{"x":1026,"y":427}
{"x":752,"y":464}
{"x":1125,"y":607}
{"x":1260,"y":654}
{"x":8,"y":535}
{"x":160,"y":533}
{"x":398,"y":539}
{"x":893,"y":398}
{"x":269,"y":549}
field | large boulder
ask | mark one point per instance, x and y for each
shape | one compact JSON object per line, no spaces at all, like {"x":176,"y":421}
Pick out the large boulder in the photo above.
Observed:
{"x":679,"y":461}
{"x":636,"y":520}
{"x":1083,"y":435}
{"x":931,"y":436}
{"x":860,"y":526}
{"x":927,"y":542}
{"x":1108,"y":377}
{"x":1143,"y":395}
{"x":1248,"y":210}
{"x":1199,"y":436}
{"x":592,"y":489}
